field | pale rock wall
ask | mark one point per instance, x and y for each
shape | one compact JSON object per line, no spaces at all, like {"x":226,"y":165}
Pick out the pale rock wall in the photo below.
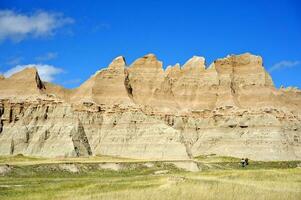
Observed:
{"x":230,"y":108}
{"x":56,"y":129}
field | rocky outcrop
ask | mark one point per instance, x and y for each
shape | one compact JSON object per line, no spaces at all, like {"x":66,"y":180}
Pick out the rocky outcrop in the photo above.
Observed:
{"x":22,"y":84}
{"x":191,"y":87}
{"x":52,"y":129}
{"x":56,"y":91}
{"x":107,"y":86}
{"x":145,"y":76}
{"x":230,"y":108}
{"x":244,"y":82}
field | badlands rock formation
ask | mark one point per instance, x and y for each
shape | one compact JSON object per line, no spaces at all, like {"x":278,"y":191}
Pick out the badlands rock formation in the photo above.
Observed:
{"x":230,"y":108}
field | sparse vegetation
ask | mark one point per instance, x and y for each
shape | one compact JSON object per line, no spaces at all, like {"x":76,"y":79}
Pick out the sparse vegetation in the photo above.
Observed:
{"x":26,"y":160}
{"x":221,"y":179}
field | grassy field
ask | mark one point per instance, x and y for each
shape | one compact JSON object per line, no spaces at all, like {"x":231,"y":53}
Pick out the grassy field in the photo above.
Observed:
{"x":25,"y":160}
{"x":220,"y":178}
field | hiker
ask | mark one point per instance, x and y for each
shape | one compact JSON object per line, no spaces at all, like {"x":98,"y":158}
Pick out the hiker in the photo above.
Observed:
{"x":247,"y":161}
{"x":243,"y":162}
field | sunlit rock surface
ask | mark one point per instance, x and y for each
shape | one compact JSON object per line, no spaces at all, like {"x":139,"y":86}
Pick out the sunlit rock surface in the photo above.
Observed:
{"x":230,"y":108}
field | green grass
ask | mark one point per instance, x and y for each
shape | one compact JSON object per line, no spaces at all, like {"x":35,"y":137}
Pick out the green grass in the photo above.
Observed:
{"x":18,"y":158}
{"x":214,"y":158}
{"x":26,"y":160}
{"x":223,"y":162}
{"x":221,"y":179}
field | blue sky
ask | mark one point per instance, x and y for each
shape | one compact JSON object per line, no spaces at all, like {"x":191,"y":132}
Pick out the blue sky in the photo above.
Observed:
{"x":69,"y":40}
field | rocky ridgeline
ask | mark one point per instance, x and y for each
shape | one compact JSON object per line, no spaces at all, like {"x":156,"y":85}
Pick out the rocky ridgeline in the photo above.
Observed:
{"x":230,"y":108}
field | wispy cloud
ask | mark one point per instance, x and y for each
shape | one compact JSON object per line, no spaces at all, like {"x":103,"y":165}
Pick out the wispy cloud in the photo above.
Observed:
{"x":14,"y":60}
{"x":18,"y":26}
{"x":284,"y":64}
{"x":72,"y":81}
{"x":46,"y":72}
{"x":47,"y":56}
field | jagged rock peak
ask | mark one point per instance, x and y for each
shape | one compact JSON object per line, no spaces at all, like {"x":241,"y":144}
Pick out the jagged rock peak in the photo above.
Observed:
{"x":290,"y":89}
{"x":241,"y":59}
{"x":118,"y":62}
{"x":150,"y":56}
{"x":173,"y":69}
{"x":195,"y":62}
{"x":27,"y":75}
{"x":2,"y":77}
{"x":147,"y":61}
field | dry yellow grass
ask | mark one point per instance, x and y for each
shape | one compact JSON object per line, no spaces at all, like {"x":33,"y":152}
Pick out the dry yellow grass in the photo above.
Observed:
{"x":275,"y":181}
{"x":230,"y":184}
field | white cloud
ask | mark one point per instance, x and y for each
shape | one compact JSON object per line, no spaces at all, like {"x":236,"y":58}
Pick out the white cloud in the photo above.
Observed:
{"x":47,"y":56}
{"x":284,"y":64}
{"x":17,"y":26}
{"x":14,"y":60}
{"x":46,"y":72}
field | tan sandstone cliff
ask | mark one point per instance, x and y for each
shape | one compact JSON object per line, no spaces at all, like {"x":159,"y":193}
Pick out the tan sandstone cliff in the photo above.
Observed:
{"x":230,"y":108}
